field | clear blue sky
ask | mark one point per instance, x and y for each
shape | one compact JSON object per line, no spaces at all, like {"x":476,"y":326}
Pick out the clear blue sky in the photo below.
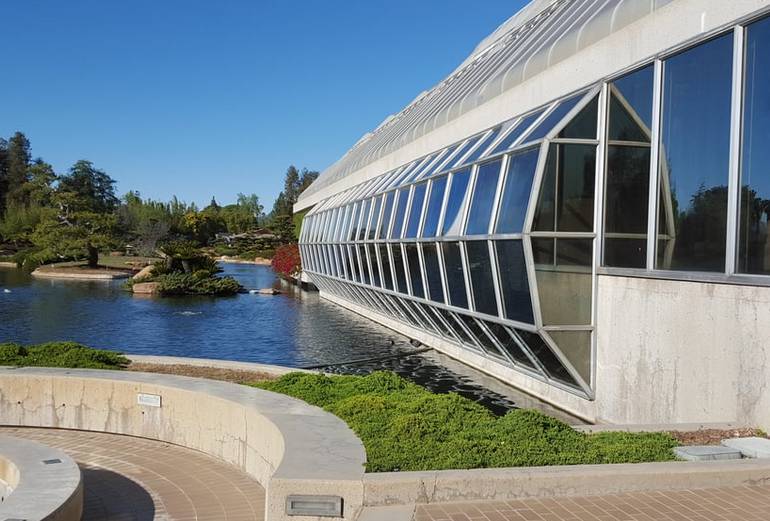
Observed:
{"x":199,"y":98}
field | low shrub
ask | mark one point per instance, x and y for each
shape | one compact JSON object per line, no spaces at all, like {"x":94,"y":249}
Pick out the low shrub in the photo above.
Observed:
{"x":405,"y":427}
{"x":201,"y":282}
{"x":60,"y":354}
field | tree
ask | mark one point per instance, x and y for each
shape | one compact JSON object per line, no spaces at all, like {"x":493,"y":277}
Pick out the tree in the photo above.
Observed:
{"x":71,"y":234}
{"x":92,"y":189}
{"x":3,"y":174}
{"x":291,"y":185}
{"x":251,"y":203}
{"x":306,"y":179}
{"x":17,"y":160}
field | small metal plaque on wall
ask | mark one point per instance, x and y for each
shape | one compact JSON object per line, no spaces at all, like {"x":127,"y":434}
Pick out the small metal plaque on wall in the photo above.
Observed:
{"x":319,"y":506}
{"x":148,"y":400}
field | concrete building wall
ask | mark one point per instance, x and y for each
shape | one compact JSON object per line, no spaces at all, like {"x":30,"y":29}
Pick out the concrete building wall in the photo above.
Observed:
{"x":674,"y":351}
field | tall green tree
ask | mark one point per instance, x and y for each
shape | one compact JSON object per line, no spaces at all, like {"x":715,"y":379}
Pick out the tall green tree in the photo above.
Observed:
{"x":3,"y":174}
{"x":291,"y":185}
{"x":18,"y":161}
{"x":91,"y":189}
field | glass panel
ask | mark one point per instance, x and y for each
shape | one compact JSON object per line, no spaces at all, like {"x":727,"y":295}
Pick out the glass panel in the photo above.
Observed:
{"x":483,"y":199}
{"x":516,"y":191}
{"x":566,"y":202}
{"x":415,"y":272}
{"x":387,"y":275}
{"x":631,"y":107}
{"x":433,"y":212}
{"x":489,"y":346}
{"x":456,"y":203}
{"x":458,"y":330}
{"x":482,"y":284}
{"x":516,"y":133}
{"x":457,"y":159}
{"x":353,"y":223}
{"x":398,"y":218}
{"x":553,"y":118}
{"x":583,"y":125}
{"x":375,"y":218}
{"x":545,"y":356}
{"x":473,"y":156}
{"x":353,"y":264}
{"x":754,"y":246}
{"x":454,"y":274}
{"x":514,"y":284}
{"x":433,"y":272}
{"x":564,"y":280}
{"x":576,"y":347}
{"x":382,"y":233}
{"x":509,"y":345}
{"x":695,"y":151}
{"x":418,"y":199}
{"x":367,"y":207}
{"x":432,"y":169}
{"x":376,"y":279}
{"x":364,"y":265}
{"x":398,"y":267}
{"x":343,"y":251}
{"x":443,"y":328}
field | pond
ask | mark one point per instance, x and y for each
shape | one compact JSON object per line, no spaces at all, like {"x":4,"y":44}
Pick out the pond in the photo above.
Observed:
{"x":294,"y":329}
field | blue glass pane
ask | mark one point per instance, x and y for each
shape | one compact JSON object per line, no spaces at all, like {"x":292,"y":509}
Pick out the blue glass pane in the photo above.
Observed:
{"x":553,"y":118}
{"x":483,"y":198}
{"x":374,"y":218}
{"x":398,"y":217}
{"x":353,"y":223}
{"x":366,"y":210}
{"x":386,"y":213}
{"x":456,"y":203}
{"x":516,"y":191}
{"x":387,"y":275}
{"x":456,"y":161}
{"x":513,"y":281}
{"x":482,"y":284}
{"x":433,"y":211}
{"x":433,"y":272}
{"x":454,"y":274}
{"x":514,"y":134}
{"x":432,"y":169}
{"x":473,"y":156}
{"x":376,"y":278}
{"x":415,"y":272}
{"x":399,"y":268}
{"x":418,"y":199}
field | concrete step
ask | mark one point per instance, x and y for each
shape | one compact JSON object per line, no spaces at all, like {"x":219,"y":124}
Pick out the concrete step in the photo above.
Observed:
{"x":706,"y":453}
{"x":752,"y":447}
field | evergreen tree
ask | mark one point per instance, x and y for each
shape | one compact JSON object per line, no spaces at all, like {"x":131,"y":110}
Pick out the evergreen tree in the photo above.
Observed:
{"x":291,"y":185}
{"x":18,"y":160}
{"x":92,"y":189}
{"x":3,"y":174}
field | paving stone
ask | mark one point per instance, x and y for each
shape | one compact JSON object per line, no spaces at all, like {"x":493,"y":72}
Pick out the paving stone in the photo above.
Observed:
{"x":707,"y":453}
{"x":752,"y":447}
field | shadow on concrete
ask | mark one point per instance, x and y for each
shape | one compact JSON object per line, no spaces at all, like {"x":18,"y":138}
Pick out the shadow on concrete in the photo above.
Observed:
{"x":109,"y":495}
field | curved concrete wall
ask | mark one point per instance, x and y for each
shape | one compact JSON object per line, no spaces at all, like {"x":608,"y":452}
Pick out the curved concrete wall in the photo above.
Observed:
{"x":289,"y":446}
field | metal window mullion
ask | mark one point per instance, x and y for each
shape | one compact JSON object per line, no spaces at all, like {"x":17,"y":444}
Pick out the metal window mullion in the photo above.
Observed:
{"x":734,"y":183}
{"x":501,"y":179}
{"x":496,"y":279}
{"x":467,"y":275}
{"x":423,"y":272}
{"x":652,"y":207}
{"x":442,"y":272}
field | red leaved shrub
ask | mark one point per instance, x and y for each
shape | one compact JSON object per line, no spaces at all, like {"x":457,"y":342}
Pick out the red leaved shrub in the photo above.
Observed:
{"x":286,"y":261}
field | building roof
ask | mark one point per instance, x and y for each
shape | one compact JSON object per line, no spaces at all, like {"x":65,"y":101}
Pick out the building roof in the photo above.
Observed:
{"x":540,"y":35}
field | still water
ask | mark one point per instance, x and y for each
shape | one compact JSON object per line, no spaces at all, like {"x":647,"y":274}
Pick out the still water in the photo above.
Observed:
{"x":294,"y":329}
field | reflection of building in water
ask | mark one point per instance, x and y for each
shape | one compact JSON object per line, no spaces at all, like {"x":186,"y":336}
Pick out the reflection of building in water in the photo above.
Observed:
{"x":580,"y":209}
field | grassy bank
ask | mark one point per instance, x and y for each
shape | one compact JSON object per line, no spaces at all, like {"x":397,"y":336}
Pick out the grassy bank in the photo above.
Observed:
{"x":60,"y":354}
{"x":405,"y":427}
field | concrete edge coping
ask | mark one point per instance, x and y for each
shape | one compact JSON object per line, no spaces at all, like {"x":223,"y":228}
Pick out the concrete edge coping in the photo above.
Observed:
{"x":658,"y":427}
{"x":51,"y":274}
{"x":48,"y":486}
{"x":4,"y":264}
{"x":408,"y":488}
{"x":275,"y":370}
{"x":317,"y":444}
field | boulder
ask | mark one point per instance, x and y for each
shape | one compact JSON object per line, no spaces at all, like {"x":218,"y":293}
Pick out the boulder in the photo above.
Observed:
{"x":144,"y":273}
{"x":268,"y":291}
{"x":146,"y":288}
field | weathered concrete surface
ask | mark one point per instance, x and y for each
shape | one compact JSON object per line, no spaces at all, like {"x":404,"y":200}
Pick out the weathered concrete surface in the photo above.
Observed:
{"x":277,"y":370}
{"x":287,"y":445}
{"x":146,"y":288}
{"x":752,"y":447}
{"x":707,"y":453}
{"x":40,"y":492}
{"x":63,"y":273}
{"x":679,"y":352}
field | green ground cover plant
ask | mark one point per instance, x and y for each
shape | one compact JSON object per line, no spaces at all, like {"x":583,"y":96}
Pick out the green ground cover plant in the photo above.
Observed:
{"x":60,"y":354}
{"x":406,"y":427}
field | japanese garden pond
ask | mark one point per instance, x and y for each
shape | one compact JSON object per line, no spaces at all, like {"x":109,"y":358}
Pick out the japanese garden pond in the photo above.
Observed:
{"x":295,"y":329}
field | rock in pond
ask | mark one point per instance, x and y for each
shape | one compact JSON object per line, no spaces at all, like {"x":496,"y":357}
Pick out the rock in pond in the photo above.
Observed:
{"x":146,"y":288}
{"x":144,"y":273}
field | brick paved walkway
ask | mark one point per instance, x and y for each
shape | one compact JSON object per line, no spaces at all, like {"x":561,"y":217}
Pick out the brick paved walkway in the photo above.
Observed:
{"x":749,"y":503}
{"x":134,"y":479}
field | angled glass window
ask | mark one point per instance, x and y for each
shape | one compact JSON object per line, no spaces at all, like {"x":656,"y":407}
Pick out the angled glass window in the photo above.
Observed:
{"x":376,"y":278}
{"x":387,"y":211}
{"x":487,"y":344}
{"x":482,"y":283}
{"x":397,"y":179}
{"x":415,"y":212}
{"x":505,"y":338}
{"x":399,"y":268}
{"x":459,"y":331}
{"x":353,"y":227}
{"x":584,"y":124}
{"x":344,"y":261}
{"x":415,"y":271}
{"x":628,"y":170}
{"x":433,"y":272}
{"x":510,"y":139}
{"x":552,"y":119}
{"x":516,"y":190}
{"x":753,"y":241}
{"x":483,"y":199}
{"x":456,"y":203}
{"x":576,"y":348}
{"x":435,"y":201}
{"x":514,"y":284}
{"x":443,"y":328}
{"x":353,"y":265}
{"x":564,"y":280}
{"x":454,"y":274}
{"x":566,"y":201}
{"x":364,"y":265}
{"x":366,"y":210}
{"x":422,"y":164}
{"x":457,"y":160}
{"x":695,"y":152}
{"x":546,"y":357}
{"x":387,"y":275}
{"x":375,"y":218}
{"x":483,"y":146}
{"x":400,"y":213}
{"x":438,"y":164}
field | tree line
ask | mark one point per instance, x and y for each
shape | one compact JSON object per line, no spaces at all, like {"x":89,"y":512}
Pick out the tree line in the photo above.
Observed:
{"x":49,"y":217}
